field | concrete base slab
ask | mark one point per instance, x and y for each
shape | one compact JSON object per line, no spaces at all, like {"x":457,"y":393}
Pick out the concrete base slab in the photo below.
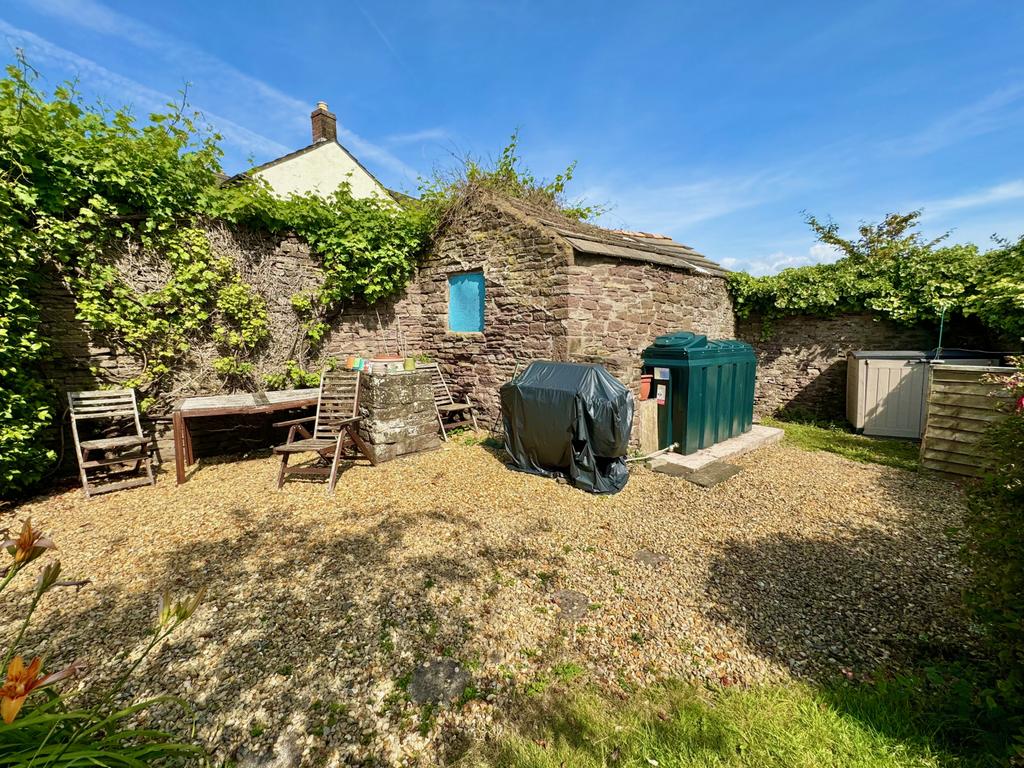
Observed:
{"x":714,"y":473}
{"x":676,"y":464}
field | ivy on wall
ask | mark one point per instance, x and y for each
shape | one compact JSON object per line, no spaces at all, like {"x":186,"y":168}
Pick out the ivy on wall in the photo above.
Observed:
{"x":891,"y":270}
{"x":79,"y":185}
{"x":367,"y":247}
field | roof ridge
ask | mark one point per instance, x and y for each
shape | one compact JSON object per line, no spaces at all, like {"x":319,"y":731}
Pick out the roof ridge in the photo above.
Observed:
{"x":638,"y":246}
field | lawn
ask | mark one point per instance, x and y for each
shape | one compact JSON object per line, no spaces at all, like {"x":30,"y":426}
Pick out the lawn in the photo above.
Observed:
{"x":321,"y":612}
{"x":680,"y":726}
{"x":838,"y":439}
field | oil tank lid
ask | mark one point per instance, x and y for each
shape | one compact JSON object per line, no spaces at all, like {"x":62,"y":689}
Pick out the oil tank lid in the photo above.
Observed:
{"x":680,"y":340}
{"x":684,"y":344}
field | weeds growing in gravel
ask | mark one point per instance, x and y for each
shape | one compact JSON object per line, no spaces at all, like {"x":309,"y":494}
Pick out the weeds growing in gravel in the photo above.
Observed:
{"x":40,"y":727}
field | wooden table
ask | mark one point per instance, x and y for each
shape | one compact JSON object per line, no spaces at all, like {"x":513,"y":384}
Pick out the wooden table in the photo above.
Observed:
{"x":245,"y":404}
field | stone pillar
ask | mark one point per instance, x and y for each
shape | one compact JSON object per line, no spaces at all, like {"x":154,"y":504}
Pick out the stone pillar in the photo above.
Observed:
{"x":398,"y":413}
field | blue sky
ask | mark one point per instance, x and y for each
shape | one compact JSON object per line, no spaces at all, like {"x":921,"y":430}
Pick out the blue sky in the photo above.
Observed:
{"x":716,"y":123}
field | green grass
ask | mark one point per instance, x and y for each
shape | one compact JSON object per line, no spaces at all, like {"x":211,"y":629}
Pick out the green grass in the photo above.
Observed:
{"x":835,"y":438}
{"x":680,"y":726}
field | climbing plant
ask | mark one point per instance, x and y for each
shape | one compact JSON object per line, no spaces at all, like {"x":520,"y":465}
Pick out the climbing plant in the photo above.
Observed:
{"x":367,"y":247}
{"x":81,"y":186}
{"x":25,"y":409}
{"x":890,"y":269}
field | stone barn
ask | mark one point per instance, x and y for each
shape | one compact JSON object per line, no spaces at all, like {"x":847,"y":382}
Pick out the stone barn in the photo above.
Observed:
{"x":508,"y":282}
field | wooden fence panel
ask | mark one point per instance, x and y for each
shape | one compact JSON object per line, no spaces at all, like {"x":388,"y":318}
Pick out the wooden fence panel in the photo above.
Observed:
{"x":961,"y":407}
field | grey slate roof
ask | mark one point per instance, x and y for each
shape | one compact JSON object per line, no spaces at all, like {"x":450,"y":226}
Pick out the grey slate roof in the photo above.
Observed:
{"x":617,"y":243}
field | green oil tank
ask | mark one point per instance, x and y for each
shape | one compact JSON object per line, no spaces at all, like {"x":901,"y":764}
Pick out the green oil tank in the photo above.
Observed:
{"x":704,"y":389}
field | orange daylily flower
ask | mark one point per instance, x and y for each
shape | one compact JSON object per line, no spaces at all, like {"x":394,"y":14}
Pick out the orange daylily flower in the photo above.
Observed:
{"x":22,"y":680}
{"x":29,"y":545}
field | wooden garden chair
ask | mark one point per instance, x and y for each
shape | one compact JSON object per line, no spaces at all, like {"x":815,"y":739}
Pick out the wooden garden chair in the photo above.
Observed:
{"x":102,"y":457}
{"x":444,"y":404}
{"x":334,"y":429}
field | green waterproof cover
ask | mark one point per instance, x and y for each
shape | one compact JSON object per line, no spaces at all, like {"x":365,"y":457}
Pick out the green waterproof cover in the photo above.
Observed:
{"x":571,"y":420}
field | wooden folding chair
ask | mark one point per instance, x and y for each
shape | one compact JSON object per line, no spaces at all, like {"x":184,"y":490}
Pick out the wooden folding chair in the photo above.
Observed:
{"x":334,"y":429}
{"x":444,"y":404}
{"x":110,"y":454}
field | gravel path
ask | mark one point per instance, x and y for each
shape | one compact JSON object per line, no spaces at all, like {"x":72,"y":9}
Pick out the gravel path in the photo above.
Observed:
{"x":320,"y":612}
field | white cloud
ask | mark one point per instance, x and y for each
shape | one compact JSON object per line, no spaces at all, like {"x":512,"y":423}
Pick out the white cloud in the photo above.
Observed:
{"x":773,"y":263}
{"x":417,"y":137}
{"x":671,"y":209}
{"x":42,"y":53}
{"x":985,"y":115}
{"x":994,"y":195}
{"x":216,"y":81}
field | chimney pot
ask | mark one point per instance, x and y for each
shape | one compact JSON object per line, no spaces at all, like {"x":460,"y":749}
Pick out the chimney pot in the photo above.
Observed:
{"x":325,"y":123}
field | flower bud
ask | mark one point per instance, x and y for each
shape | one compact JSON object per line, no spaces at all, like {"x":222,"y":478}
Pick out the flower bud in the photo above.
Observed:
{"x":48,"y":577}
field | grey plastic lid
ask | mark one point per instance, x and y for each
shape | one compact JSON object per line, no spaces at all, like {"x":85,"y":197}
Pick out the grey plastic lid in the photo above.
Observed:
{"x":888,"y":354}
{"x":920,"y":354}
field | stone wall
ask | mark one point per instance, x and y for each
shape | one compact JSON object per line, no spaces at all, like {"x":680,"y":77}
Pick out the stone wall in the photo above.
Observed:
{"x":801,"y":362}
{"x":617,"y":308}
{"x":277,"y":266}
{"x":540,"y":304}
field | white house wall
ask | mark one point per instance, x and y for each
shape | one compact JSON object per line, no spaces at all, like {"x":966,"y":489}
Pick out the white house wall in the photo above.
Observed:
{"x":320,"y":170}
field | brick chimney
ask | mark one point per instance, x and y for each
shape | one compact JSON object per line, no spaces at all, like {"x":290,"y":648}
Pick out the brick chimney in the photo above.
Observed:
{"x":325,"y":124}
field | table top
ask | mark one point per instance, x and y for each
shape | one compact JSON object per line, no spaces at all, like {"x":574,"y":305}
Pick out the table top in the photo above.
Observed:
{"x":248,"y":402}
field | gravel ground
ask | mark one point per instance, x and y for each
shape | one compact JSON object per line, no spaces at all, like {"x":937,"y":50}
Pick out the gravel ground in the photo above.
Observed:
{"x":320,"y":612}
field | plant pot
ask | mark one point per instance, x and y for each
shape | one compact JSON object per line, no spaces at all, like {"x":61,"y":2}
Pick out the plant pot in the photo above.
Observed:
{"x":645,"y":386}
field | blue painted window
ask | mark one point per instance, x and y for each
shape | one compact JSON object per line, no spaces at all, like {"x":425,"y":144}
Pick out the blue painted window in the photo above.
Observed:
{"x":466,"y":302}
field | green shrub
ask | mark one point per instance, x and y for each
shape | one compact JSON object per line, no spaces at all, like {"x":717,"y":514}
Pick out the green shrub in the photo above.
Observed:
{"x":892,"y":271}
{"x":995,"y":551}
{"x":294,"y":376}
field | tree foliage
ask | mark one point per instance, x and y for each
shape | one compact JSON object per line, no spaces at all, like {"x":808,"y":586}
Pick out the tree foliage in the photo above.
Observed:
{"x":998,"y":299}
{"x":892,"y":270}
